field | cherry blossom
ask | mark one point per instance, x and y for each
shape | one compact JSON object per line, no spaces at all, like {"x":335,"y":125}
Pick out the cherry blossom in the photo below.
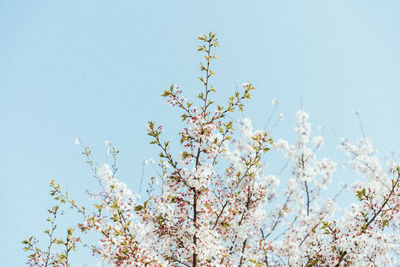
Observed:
{"x":215,"y":202}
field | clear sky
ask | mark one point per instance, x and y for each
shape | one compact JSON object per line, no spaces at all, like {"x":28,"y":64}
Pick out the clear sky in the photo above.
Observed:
{"x":95,"y":70}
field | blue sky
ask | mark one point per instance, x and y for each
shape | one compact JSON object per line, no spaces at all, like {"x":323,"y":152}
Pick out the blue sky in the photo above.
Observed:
{"x":95,"y":70}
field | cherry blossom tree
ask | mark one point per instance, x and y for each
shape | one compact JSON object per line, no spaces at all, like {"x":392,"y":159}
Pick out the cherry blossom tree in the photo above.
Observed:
{"x":215,"y":204}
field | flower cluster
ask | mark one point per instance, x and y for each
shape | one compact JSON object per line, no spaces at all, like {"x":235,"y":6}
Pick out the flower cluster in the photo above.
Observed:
{"x":213,"y":204}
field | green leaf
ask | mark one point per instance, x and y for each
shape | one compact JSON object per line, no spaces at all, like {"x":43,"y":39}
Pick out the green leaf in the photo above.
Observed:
{"x":138,"y":208}
{"x":165,"y":93}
